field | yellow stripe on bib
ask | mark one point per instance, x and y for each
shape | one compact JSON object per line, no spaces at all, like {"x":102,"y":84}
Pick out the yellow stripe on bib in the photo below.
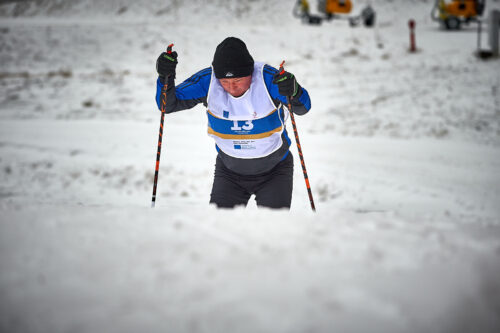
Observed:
{"x":244,"y":136}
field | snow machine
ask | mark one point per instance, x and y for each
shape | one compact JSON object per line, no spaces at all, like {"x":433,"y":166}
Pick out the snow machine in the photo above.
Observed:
{"x":333,"y":9}
{"x":451,"y":15}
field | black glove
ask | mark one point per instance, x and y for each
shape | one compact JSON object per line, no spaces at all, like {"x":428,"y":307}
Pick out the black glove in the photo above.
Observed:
{"x":165,"y":65}
{"x":287,"y":84}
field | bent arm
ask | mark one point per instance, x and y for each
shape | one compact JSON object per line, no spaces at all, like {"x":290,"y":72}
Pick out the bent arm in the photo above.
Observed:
{"x":186,"y":95}
{"x":301,"y":103}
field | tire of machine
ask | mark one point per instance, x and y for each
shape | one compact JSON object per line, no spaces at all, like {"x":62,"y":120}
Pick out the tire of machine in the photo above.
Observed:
{"x":370,"y":21}
{"x":452,"y":23}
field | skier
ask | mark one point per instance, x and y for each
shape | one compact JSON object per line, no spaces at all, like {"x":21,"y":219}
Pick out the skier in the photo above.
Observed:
{"x":246,"y":118}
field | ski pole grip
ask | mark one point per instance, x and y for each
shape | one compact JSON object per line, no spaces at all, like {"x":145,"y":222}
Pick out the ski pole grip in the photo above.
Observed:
{"x":282,"y":69}
{"x":281,"y":72}
{"x":169,"y":48}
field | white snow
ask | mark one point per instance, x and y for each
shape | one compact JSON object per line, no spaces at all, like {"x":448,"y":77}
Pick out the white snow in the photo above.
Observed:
{"x":402,"y":151}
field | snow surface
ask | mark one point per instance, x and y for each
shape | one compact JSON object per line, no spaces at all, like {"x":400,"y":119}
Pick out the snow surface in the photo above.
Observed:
{"x":402,"y":150}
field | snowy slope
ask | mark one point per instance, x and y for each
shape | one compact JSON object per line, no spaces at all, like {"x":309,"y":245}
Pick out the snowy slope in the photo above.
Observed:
{"x":402,"y":150}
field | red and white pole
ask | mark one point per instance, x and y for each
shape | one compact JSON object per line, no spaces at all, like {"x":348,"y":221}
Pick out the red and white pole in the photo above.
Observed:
{"x":411,"y":24}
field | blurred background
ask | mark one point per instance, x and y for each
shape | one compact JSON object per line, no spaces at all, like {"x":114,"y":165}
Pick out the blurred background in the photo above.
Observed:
{"x":402,"y":147}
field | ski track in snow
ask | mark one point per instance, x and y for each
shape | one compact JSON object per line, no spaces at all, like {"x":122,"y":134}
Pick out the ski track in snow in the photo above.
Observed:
{"x":402,"y":152}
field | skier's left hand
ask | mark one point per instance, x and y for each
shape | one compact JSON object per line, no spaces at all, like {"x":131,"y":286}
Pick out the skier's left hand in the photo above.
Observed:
{"x":287,"y":84}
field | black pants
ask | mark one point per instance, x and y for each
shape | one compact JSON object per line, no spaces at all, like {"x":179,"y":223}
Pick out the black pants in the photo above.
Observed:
{"x":272,"y":189}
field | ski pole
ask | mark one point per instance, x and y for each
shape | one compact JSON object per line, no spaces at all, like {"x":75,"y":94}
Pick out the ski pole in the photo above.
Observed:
{"x":163,"y":102}
{"x":299,"y":148}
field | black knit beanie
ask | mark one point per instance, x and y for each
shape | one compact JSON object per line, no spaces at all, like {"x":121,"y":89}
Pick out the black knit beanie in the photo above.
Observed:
{"x":232,"y":59}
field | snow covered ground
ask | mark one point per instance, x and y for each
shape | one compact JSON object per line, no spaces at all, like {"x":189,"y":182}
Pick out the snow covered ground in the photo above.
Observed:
{"x":402,"y":151}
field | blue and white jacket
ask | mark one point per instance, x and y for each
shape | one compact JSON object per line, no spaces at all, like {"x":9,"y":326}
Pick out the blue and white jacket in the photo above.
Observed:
{"x":249,"y":131}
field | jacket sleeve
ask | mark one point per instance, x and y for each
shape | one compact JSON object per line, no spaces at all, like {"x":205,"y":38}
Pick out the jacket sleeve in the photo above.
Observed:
{"x":301,"y":103}
{"x":186,"y":95}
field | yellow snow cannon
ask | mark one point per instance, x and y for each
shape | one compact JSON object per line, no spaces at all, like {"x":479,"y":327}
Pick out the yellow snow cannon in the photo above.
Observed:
{"x":333,"y":9}
{"x":452,"y":14}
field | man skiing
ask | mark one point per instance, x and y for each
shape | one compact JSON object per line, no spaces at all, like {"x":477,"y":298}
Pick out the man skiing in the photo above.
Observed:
{"x":246,"y":118}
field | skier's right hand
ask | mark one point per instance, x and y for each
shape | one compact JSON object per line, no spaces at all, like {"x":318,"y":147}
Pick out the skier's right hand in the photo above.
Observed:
{"x":166,"y":64}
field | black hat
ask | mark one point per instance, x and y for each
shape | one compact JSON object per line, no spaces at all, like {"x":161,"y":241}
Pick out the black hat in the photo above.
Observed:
{"x":232,"y":59}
